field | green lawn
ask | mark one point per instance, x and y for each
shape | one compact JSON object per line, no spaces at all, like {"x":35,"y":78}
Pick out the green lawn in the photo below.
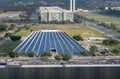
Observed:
{"x":8,"y":46}
{"x":102,"y":18}
{"x":68,"y":28}
{"x":23,"y":33}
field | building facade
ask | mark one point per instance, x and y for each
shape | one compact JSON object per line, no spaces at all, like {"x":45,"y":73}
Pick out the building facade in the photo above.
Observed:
{"x":55,"y":13}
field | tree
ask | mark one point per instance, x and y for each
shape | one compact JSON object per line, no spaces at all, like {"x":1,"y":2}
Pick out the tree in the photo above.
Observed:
{"x":3,"y":27}
{"x":53,"y":22}
{"x":102,"y":8}
{"x":118,"y":31}
{"x":103,"y":24}
{"x":66,"y":57}
{"x":48,"y":54}
{"x":84,"y":53}
{"x":77,"y":18}
{"x":8,"y":34}
{"x":67,"y":21}
{"x":77,"y":38}
{"x":13,"y":54}
{"x":45,"y":55}
{"x":58,"y":57}
{"x":112,"y":26}
{"x":115,"y":51}
{"x":15,"y":38}
{"x":110,"y":42}
{"x":31,"y":54}
{"x":111,"y":12}
{"x":11,"y":27}
{"x":93,"y":50}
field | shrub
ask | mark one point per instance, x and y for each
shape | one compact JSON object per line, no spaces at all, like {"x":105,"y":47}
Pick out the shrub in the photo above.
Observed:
{"x":103,"y":24}
{"x":8,"y":34}
{"x":84,"y":53}
{"x":48,"y":54}
{"x":77,"y":38}
{"x":11,"y":27}
{"x":77,"y":18}
{"x":15,"y":38}
{"x":66,"y":57}
{"x":93,"y":50}
{"x":13,"y":54}
{"x":115,"y":51}
{"x":31,"y":54}
{"x":58,"y":57}
{"x":110,"y":42}
{"x":3,"y":27}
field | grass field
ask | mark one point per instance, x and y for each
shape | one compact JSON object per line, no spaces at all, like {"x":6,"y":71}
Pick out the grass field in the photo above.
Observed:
{"x":102,"y":18}
{"x":23,"y":33}
{"x":70,"y":29}
{"x":8,"y":46}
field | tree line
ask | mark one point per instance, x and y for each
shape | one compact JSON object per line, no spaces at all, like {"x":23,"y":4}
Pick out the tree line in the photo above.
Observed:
{"x":110,"y":12}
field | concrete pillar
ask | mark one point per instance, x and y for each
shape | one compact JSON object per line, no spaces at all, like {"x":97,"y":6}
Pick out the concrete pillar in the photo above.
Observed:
{"x":73,"y":5}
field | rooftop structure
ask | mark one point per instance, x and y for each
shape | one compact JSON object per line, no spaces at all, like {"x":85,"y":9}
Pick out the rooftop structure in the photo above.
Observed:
{"x":52,"y":41}
{"x":52,"y":9}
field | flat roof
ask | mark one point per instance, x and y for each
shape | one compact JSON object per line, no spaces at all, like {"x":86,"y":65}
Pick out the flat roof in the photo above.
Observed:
{"x":49,"y":30}
{"x":53,"y":9}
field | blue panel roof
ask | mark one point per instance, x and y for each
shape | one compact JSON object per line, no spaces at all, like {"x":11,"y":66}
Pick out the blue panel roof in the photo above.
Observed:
{"x":46,"y":40}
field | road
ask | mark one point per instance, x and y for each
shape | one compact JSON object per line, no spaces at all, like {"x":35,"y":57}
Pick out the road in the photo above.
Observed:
{"x":103,"y":30}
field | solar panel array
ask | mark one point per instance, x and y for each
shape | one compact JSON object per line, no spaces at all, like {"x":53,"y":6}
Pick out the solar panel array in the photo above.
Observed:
{"x":44,"y":41}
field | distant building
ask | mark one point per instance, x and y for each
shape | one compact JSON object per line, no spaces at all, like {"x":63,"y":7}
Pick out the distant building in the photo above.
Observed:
{"x":115,"y":8}
{"x":55,"y":13}
{"x":11,"y":15}
{"x":82,"y":10}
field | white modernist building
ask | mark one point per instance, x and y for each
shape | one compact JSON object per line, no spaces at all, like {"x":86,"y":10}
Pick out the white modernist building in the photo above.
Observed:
{"x":55,"y":13}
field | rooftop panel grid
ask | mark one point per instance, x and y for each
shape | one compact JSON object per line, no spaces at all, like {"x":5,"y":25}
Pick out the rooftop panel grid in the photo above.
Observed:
{"x":46,"y":40}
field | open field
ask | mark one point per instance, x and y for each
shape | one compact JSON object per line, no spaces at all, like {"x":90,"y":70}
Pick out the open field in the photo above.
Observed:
{"x":8,"y":46}
{"x":102,"y":18}
{"x":23,"y":33}
{"x":85,"y":32}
